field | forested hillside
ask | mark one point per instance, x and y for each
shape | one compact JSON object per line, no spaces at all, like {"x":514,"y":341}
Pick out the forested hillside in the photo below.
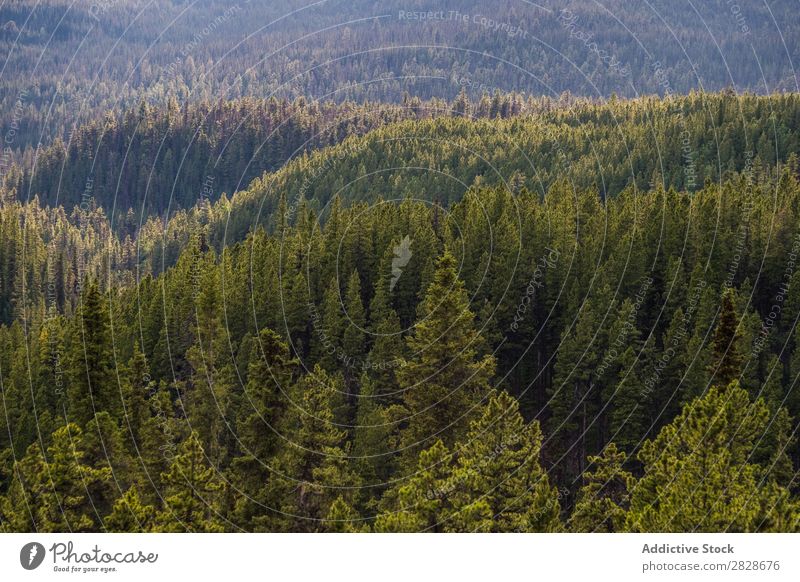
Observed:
{"x":67,"y":62}
{"x":680,"y":142}
{"x":508,"y":362}
{"x":384,"y":266}
{"x":64,"y":231}
{"x":149,"y":161}
{"x":436,"y":155}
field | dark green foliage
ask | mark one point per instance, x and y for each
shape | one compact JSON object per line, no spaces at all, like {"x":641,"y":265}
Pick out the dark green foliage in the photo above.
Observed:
{"x":388,"y":365}
{"x":192,"y":491}
{"x":93,"y":386}
{"x":726,"y":361}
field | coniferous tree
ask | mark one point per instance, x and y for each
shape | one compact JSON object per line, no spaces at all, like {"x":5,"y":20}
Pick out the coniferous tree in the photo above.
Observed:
{"x":159,"y":435}
{"x":191,"y":492}
{"x":208,"y":397}
{"x":726,"y":363}
{"x":603,"y":500}
{"x":371,"y":437}
{"x":446,"y":379}
{"x":270,"y":377}
{"x":354,"y":338}
{"x":574,"y":390}
{"x":312,"y":468}
{"x":492,"y":483}
{"x":104,"y":447}
{"x":93,"y":386}
{"x":136,"y":391}
{"x":498,"y":483}
{"x":698,"y":473}
{"x":329,"y":329}
{"x":420,"y":504}
{"x":54,"y":492}
{"x":342,"y":518}
{"x":388,"y":347}
{"x":130,"y":514}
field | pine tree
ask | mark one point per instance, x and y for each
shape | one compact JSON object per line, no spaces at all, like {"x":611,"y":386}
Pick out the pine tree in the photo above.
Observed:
{"x":665,"y":376}
{"x":697,"y":471}
{"x":104,"y":447}
{"x":54,"y":492}
{"x":129,"y":514}
{"x":493,"y":482}
{"x":191,"y":492}
{"x":354,"y":338}
{"x":793,"y":395}
{"x":328,"y":330}
{"x":135,"y":394}
{"x":420,"y":504}
{"x":158,"y":434}
{"x":270,"y":377}
{"x":498,"y":483}
{"x":295,"y":316}
{"x":631,"y":404}
{"x":371,"y":437}
{"x":774,"y":445}
{"x":312,"y":469}
{"x":342,"y":518}
{"x":388,"y":347}
{"x":623,"y":388}
{"x":603,"y":500}
{"x":209,"y":399}
{"x":573,"y":395}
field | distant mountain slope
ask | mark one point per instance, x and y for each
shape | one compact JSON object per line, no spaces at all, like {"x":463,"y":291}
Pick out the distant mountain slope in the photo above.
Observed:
{"x":69,"y":62}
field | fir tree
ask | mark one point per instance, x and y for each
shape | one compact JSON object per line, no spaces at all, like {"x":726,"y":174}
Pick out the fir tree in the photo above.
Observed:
{"x":54,"y":492}
{"x":93,"y":386}
{"x":130,"y":514}
{"x":726,"y":363}
{"x":354,"y":338}
{"x":498,"y":482}
{"x":445,"y":380}
{"x":388,"y":347}
{"x":270,"y":377}
{"x":312,"y":469}
{"x":328,"y":329}
{"x":342,"y":518}
{"x":573,"y":395}
{"x":371,"y":437}
{"x":420,"y":504}
{"x":136,"y":391}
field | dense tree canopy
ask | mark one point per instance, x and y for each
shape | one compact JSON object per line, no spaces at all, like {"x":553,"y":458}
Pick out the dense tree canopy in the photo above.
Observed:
{"x":517,"y":355}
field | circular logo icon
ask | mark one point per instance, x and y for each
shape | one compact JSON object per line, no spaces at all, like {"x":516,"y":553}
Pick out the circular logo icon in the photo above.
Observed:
{"x":31,"y":555}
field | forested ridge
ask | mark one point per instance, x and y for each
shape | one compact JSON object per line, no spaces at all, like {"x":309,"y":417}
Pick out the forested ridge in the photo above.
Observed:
{"x":62,"y":232}
{"x":153,"y":160}
{"x":147,"y":161}
{"x":521,"y":354}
